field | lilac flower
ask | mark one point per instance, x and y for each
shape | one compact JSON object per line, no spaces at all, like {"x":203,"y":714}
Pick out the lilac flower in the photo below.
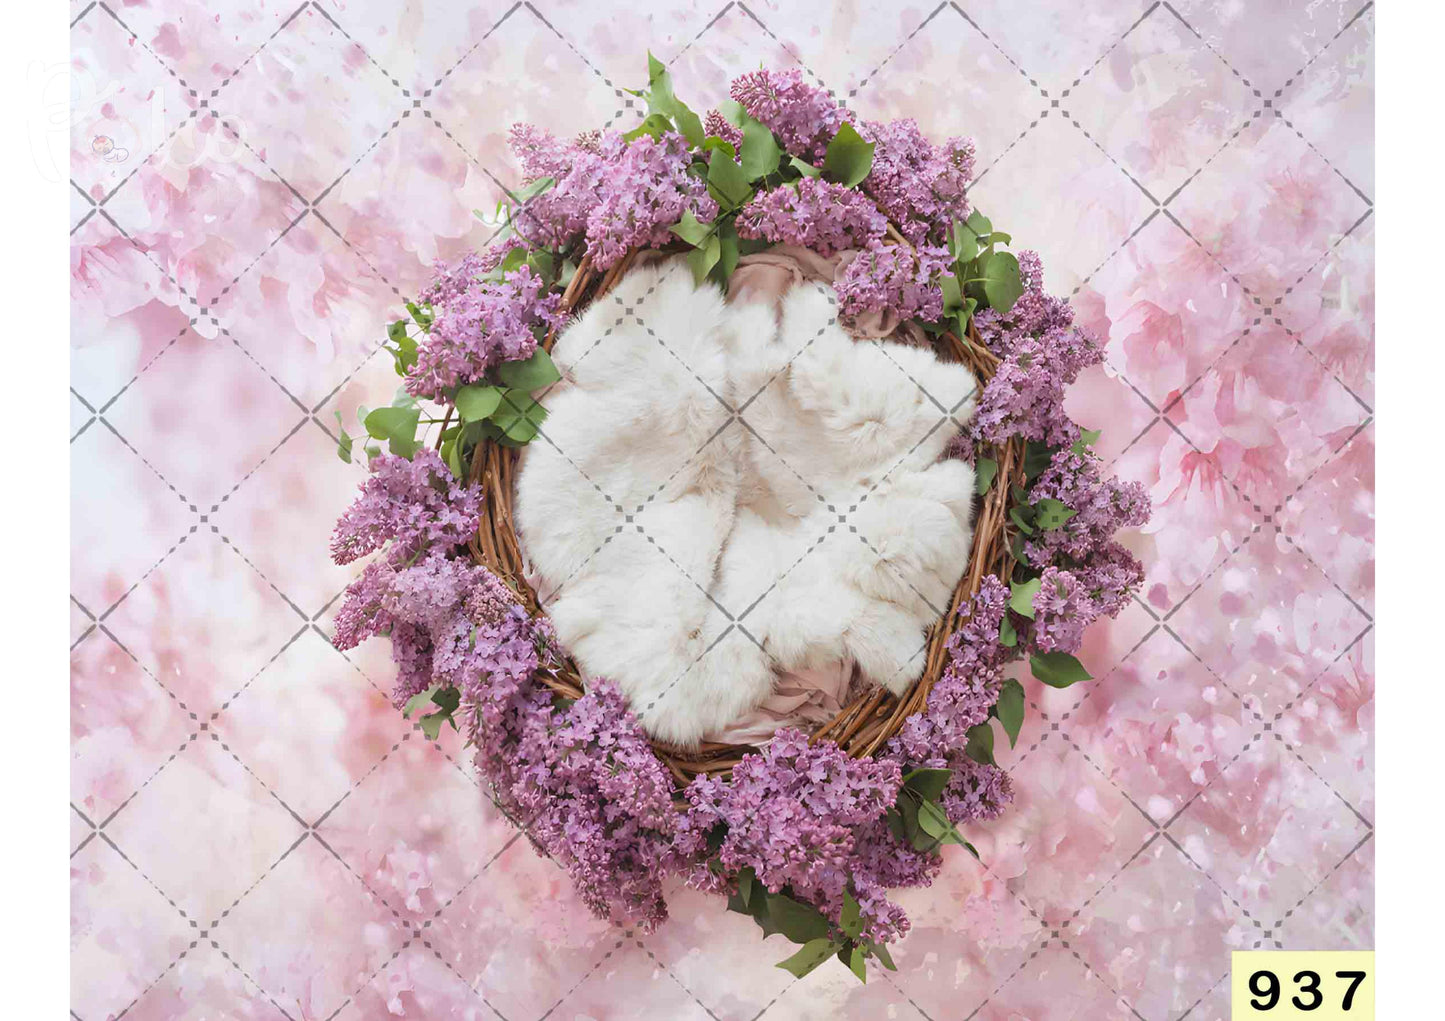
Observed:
{"x":791,"y":812}
{"x":479,"y":324}
{"x":1026,"y":395}
{"x":599,"y":802}
{"x":893,"y":278}
{"x":816,"y":214}
{"x":918,"y":185}
{"x":1062,"y":610}
{"x":803,"y":118}
{"x":717,"y":125}
{"x":413,"y":504}
{"x":617,"y":194}
{"x":1101,"y":507}
{"x":645,"y":187}
{"x":969,"y":685}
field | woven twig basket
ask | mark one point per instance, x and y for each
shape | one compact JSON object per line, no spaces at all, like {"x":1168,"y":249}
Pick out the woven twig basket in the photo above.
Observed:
{"x":871,"y":718}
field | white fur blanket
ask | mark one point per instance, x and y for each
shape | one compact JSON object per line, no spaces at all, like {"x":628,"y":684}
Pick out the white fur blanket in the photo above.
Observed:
{"x":725,"y":491}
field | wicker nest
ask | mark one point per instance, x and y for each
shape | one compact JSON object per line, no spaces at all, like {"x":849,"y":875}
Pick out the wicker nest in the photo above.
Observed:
{"x":871,"y":718}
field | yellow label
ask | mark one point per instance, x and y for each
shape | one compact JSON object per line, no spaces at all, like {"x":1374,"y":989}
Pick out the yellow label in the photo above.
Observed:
{"x":1302,"y":985}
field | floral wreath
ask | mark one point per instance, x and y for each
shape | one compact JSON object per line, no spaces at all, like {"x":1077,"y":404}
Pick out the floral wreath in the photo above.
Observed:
{"x":808,"y":834}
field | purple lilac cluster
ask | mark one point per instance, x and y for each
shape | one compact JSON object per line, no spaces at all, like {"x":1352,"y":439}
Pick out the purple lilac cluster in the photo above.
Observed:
{"x":616,"y":193}
{"x":718,"y":126}
{"x":479,"y":323}
{"x":820,"y":215}
{"x":600,"y":802}
{"x":893,"y":278}
{"x":803,"y":118}
{"x":791,"y":813}
{"x":1042,"y":352}
{"x":969,"y":685}
{"x":414,"y":504}
{"x":1086,"y":573}
{"x":921,"y":187}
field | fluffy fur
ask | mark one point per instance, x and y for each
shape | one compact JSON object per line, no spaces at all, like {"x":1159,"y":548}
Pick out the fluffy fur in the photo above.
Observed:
{"x":688,"y":553}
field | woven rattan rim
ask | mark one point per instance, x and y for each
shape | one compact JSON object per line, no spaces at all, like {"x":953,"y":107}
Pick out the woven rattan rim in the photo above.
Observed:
{"x":871,"y":718}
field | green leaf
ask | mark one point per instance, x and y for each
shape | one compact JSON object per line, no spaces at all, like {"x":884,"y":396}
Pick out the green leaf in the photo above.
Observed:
{"x":932,"y":818}
{"x":420,"y":700}
{"x":952,"y":293}
{"x":760,"y":153}
{"x":1050,"y":513}
{"x":403,"y":354}
{"x":798,"y":921}
{"x":804,"y":168}
{"x":1010,"y":708}
{"x":979,"y":224}
{"x":660,"y":99}
{"x":848,"y":158}
{"x":928,"y":784}
{"x":853,"y":958}
{"x":962,"y":242}
{"x":985,"y":471}
{"x":727,"y":237}
{"x":733,"y":112}
{"x":1021,"y":516}
{"x":1087,"y":438}
{"x":880,"y":951}
{"x":979,"y":749}
{"x":518,"y":417}
{"x":703,"y":259}
{"x":1021,"y":597}
{"x":1002,"y":284}
{"x":397,"y":426}
{"x":746,"y":881}
{"x":475,"y":403}
{"x":532,"y":189}
{"x":529,"y":374}
{"x":814,"y":953}
{"x":1058,"y":669}
{"x":343,"y":444}
{"x":850,"y":919}
{"x":1008,"y":637}
{"x":691,"y":230}
{"x":1037,"y":456}
{"x":726,"y":181}
{"x":712,"y":142}
{"x":654,"y":124}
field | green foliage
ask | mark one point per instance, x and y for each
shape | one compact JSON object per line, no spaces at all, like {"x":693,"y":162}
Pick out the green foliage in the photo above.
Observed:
{"x":343,"y":443}
{"x":691,"y":230}
{"x":1058,"y":669}
{"x":848,"y":158}
{"x":981,"y":273}
{"x":529,"y":374}
{"x":662,"y":101}
{"x":998,"y":272}
{"x":1008,"y":637}
{"x":1087,"y":438}
{"x":985,"y":471}
{"x":761,"y":152}
{"x":780,"y":913}
{"x":726,"y":181}
{"x":477,"y":403}
{"x":445,"y":699}
{"x":980,"y":743}
{"x":1010,"y":706}
{"x":1050,"y":513}
{"x":1021,"y":597}
{"x":397,"y":425}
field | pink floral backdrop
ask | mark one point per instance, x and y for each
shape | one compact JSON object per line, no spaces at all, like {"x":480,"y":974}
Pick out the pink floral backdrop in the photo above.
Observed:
{"x":256,"y":185}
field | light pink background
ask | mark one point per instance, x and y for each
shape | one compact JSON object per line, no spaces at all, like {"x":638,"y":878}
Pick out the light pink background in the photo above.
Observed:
{"x":257,"y":834}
